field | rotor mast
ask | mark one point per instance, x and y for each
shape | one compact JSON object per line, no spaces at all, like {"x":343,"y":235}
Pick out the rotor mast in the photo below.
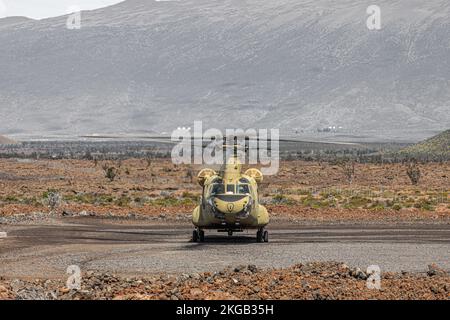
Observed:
{"x":231,"y":170}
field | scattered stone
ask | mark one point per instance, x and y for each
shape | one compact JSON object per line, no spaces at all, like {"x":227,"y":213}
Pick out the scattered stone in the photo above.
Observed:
{"x":252,"y":268}
{"x":239,"y":268}
{"x":319,"y":281}
{"x":434,"y":270}
{"x":196,"y":276}
{"x":195,"y":292}
{"x":358,"y":274}
{"x":435,"y":289}
{"x":64,"y":290}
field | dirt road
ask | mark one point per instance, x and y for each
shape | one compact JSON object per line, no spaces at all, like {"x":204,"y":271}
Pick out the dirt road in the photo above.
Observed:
{"x":129,"y":247}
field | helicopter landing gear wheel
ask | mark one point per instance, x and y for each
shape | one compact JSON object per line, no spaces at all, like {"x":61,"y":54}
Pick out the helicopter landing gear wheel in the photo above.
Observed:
{"x":259,"y":235}
{"x":198,"y":235}
{"x":266,"y":236}
{"x":195,"y":236}
{"x":262,"y":235}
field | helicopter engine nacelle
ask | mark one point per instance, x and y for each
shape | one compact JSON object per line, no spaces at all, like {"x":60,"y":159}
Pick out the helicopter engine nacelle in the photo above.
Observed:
{"x":255,"y":174}
{"x":204,"y":175}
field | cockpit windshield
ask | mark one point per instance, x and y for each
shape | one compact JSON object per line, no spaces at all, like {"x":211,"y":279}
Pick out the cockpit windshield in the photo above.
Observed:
{"x":218,"y":188}
{"x":230,"y":188}
{"x":243,"y":189}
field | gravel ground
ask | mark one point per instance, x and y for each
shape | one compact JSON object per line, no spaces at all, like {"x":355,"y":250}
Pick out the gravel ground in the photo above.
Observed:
{"x":138,"y":248}
{"x":153,"y":258}
{"x":302,"y":281}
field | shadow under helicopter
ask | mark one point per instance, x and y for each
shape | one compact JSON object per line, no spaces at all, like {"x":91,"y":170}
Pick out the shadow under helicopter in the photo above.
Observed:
{"x":225,"y":239}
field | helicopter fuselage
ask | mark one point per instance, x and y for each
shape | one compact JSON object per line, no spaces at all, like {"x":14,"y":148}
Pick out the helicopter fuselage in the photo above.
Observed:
{"x":230,"y":201}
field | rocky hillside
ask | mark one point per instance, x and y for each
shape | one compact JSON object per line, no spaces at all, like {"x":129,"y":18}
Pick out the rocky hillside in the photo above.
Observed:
{"x":437,"y":146}
{"x":296,"y":65}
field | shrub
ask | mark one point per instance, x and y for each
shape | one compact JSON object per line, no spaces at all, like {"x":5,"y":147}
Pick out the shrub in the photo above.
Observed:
{"x":413,"y":172}
{"x":111,"y":173}
{"x":53,"y":199}
{"x":348,"y":168}
{"x":357,"y":202}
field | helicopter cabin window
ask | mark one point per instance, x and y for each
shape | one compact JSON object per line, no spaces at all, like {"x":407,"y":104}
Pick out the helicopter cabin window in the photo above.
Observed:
{"x":230,"y":188}
{"x":217,"y":188}
{"x":243,"y":188}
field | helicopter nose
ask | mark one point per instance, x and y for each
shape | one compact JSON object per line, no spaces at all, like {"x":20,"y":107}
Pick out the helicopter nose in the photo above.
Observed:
{"x":232,"y":204}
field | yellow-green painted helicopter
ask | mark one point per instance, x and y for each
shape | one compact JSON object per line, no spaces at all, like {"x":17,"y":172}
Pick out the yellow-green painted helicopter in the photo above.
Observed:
{"x":229,"y":201}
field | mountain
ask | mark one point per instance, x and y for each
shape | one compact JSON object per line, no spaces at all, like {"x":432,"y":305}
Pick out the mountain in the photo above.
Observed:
{"x":12,"y":21}
{"x":5,"y":140}
{"x":437,"y":146}
{"x":297,"y":65}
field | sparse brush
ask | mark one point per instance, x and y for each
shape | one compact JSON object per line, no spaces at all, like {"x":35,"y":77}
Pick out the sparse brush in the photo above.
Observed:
{"x":111,"y":173}
{"x":321,"y":164}
{"x":348,"y":168}
{"x":53,"y":199}
{"x":279,"y":198}
{"x":88,"y":155}
{"x":149,"y":162}
{"x":190,"y":174}
{"x":413,"y":172}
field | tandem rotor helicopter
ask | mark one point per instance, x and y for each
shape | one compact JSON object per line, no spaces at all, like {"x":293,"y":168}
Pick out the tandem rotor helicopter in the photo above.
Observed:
{"x":229,"y":201}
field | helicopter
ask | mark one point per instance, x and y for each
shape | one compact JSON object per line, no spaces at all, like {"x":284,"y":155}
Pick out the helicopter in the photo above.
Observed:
{"x":229,"y":201}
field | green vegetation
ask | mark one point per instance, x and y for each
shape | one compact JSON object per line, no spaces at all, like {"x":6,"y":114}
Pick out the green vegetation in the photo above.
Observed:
{"x":357,"y":202}
{"x":318,"y":199}
{"x":32,"y":201}
{"x":317,"y":203}
{"x":364,"y":199}
{"x":437,"y":147}
{"x":170,"y":201}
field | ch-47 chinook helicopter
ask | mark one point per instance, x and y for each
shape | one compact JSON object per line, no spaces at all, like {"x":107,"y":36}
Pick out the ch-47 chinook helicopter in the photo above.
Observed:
{"x":229,"y":201}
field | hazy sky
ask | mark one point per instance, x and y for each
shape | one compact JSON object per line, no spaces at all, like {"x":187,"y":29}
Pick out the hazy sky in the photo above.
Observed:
{"x":38,"y":9}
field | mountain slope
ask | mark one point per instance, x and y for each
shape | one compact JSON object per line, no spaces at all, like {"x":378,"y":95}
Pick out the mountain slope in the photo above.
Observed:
{"x":289,"y":64}
{"x":437,"y":146}
{"x":5,"y":140}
